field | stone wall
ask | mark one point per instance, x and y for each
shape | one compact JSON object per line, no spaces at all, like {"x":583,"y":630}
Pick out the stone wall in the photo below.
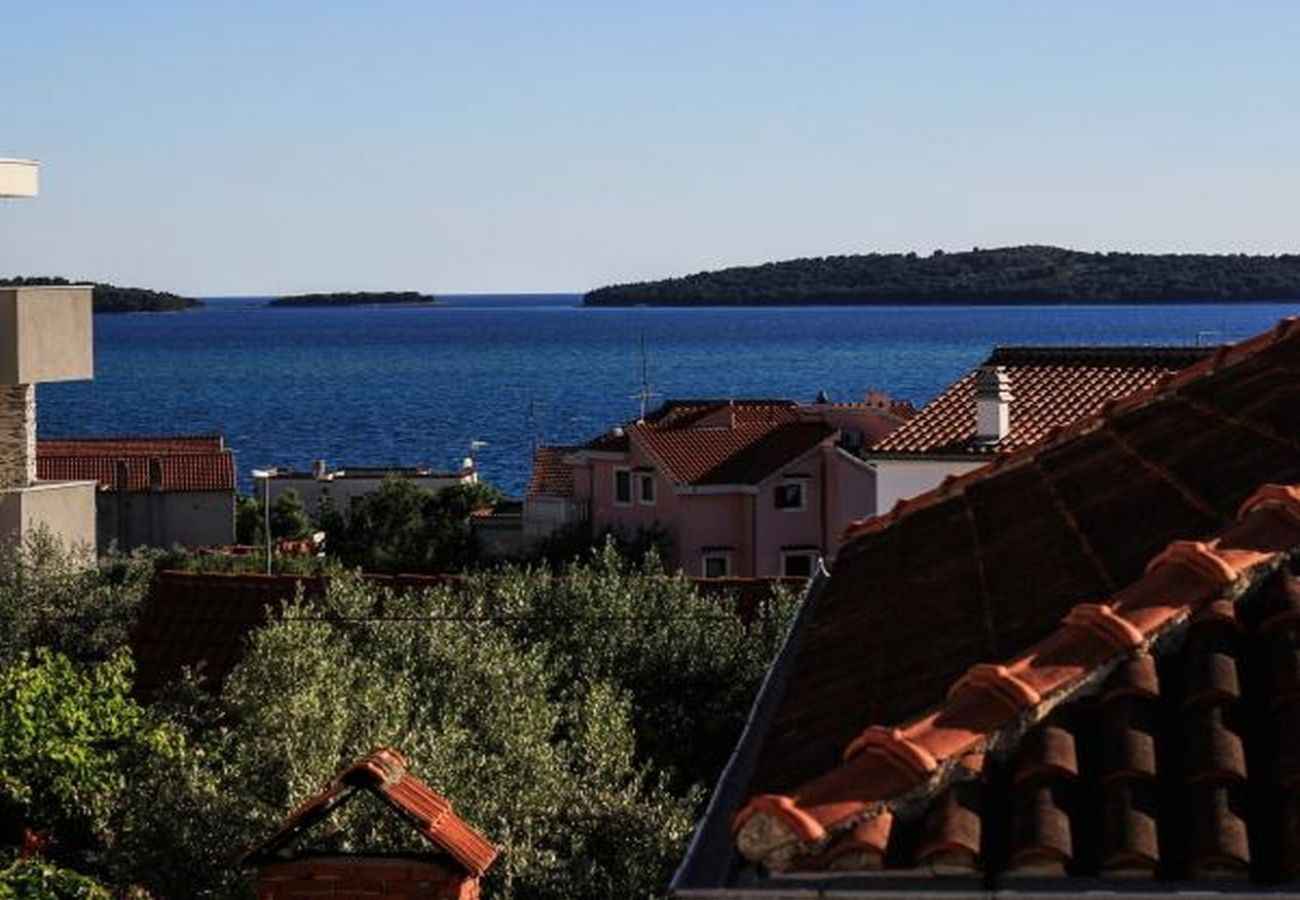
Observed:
{"x":17,"y":435}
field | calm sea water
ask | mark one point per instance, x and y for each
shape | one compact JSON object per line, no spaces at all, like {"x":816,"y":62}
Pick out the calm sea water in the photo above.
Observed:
{"x":405,"y":386}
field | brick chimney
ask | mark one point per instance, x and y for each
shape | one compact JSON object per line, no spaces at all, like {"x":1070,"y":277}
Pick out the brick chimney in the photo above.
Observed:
{"x":459,"y":855}
{"x":992,"y":404}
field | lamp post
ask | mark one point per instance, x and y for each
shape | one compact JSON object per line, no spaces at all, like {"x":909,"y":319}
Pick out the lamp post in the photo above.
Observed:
{"x":265,"y":476}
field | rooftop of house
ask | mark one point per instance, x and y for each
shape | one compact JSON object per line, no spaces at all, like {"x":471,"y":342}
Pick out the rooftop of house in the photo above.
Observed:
{"x":551,"y":475}
{"x":959,"y":622}
{"x":1050,"y":388}
{"x":132,"y":464}
{"x":383,"y":774}
{"x":366,"y":472}
{"x":709,"y":442}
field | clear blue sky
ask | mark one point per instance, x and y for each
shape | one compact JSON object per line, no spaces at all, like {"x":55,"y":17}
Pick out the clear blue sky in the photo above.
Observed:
{"x":264,"y":147}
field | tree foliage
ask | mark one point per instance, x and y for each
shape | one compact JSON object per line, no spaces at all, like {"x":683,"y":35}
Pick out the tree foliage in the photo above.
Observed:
{"x":1029,"y":274}
{"x":404,"y":528}
{"x":575,"y":716}
{"x":109,"y":298}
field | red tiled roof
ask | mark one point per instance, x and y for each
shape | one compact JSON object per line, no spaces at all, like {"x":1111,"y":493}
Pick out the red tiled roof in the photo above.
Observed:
{"x":1050,"y":388}
{"x":727,"y":442}
{"x":383,"y":773}
{"x":139,"y":464}
{"x":551,"y":476}
{"x":1093,"y":526}
{"x":1190,"y":587}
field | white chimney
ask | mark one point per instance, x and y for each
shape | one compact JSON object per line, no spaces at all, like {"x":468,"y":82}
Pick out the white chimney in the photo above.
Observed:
{"x":992,"y":404}
{"x":318,"y":469}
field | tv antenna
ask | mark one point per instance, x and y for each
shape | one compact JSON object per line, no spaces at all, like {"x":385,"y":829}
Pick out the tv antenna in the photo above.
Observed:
{"x":645,"y":393}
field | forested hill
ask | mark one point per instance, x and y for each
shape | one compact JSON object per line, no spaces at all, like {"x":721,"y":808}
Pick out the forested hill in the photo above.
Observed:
{"x":1031,"y":274}
{"x":109,"y":298}
{"x":358,"y":298}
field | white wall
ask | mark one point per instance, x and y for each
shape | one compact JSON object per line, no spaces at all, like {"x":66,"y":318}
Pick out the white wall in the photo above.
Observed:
{"x":901,"y":479}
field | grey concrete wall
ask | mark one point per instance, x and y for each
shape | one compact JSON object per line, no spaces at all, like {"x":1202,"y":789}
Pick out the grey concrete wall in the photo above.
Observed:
{"x":143,"y":519}
{"x":65,"y":508}
{"x":45,"y":334}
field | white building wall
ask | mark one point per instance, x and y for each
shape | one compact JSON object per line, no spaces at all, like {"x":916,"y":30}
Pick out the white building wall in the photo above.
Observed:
{"x":902,"y":479}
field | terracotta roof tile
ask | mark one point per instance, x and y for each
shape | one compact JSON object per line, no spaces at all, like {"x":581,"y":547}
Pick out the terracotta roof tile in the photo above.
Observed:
{"x":139,"y":464}
{"x":727,"y":442}
{"x":383,"y":773}
{"x":1051,"y":387}
{"x":551,"y":475}
{"x":1162,"y":516}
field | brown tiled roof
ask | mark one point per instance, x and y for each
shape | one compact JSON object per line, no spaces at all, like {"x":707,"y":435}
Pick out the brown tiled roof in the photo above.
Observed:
{"x":551,"y":476}
{"x":727,"y":442}
{"x":1050,"y":387}
{"x":1191,"y":595}
{"x":945,"y":615}
{"x":383,"y":773}
{"x":139,"y":464}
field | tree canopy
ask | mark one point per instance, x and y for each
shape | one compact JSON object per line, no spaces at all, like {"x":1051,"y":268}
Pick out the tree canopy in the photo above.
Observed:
{"x":110,"y":298}
{"x":1009,"y":275}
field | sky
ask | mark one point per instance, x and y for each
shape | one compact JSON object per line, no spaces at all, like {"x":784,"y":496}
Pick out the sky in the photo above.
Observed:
{"x":491,"y":146}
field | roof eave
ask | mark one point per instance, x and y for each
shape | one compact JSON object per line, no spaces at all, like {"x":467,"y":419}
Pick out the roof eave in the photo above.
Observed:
{"x":711,"y":854}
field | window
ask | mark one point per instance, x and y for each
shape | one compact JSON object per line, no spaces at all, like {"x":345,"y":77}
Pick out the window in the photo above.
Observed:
{"x":798,"y":563}
{"x":790,"y":495}
{"x":622,"y":487}
{"x":716,"y":564}
{"x":646,"y":491}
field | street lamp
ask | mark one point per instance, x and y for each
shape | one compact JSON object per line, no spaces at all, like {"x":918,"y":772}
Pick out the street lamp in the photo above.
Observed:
{"x":265,"y":476}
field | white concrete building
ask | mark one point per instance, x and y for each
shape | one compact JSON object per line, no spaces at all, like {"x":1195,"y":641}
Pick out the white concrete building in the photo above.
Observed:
{"x":342,"y":486}
{"x":45,"y":335}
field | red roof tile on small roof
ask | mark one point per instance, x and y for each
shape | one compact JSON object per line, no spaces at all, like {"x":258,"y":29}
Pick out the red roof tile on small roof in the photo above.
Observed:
{"x":1050,"y":387}
{"x":383,"y":773}
{"x":702,"y":442}
{"x":200,"y":463}
{"x":551,"y":475}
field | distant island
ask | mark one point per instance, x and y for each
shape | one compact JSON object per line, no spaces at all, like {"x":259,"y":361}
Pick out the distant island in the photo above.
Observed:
{"x":1010,"y":275}
{"x":109,"y":298}
{"x":358,"y":298}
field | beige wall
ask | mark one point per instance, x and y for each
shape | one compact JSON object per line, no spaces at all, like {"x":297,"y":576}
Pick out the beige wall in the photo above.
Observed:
{"x":65,"y":508}
{"x":19,"y":178}
{"x":45,"y":334}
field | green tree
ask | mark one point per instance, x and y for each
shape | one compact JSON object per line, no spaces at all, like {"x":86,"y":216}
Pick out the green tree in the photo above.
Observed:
{"x":249,"y":519}
{"x":289,"y":519}
{"x":69,"y":736}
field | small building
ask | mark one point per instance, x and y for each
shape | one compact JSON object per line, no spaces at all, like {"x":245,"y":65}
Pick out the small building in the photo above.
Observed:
{"x":152,"y":491}
{"x":451,"y":868}
{"x":1075,"y":672}
{"x":1014,"y":398}
{"x":342,"y":486}
{"x":752,"y":488}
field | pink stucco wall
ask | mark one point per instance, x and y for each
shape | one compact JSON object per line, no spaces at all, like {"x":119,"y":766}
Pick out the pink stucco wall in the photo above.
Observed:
{"x":837,"y":490}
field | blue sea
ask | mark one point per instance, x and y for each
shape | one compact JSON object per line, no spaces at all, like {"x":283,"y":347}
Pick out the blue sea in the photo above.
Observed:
{"x":374,"y":386}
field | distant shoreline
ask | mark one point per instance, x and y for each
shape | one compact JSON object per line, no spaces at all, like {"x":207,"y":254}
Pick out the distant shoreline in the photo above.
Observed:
{"x":1010,"y":276}
{"x":357,"y":298}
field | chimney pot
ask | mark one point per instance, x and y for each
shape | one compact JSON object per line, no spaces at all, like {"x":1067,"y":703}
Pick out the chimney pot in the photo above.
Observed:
{"x":992,"y":404}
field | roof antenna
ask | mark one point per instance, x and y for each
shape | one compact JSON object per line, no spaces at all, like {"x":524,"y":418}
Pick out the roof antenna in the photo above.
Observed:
{"x":645,"y":393}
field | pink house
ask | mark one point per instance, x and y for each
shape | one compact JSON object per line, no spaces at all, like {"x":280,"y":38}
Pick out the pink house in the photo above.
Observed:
{"x":742,"y":487}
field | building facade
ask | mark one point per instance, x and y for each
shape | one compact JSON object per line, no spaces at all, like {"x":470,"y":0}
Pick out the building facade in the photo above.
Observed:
{"x":151,"y":491}
{"x":342,"y":486}
{"x":755,"y":488}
